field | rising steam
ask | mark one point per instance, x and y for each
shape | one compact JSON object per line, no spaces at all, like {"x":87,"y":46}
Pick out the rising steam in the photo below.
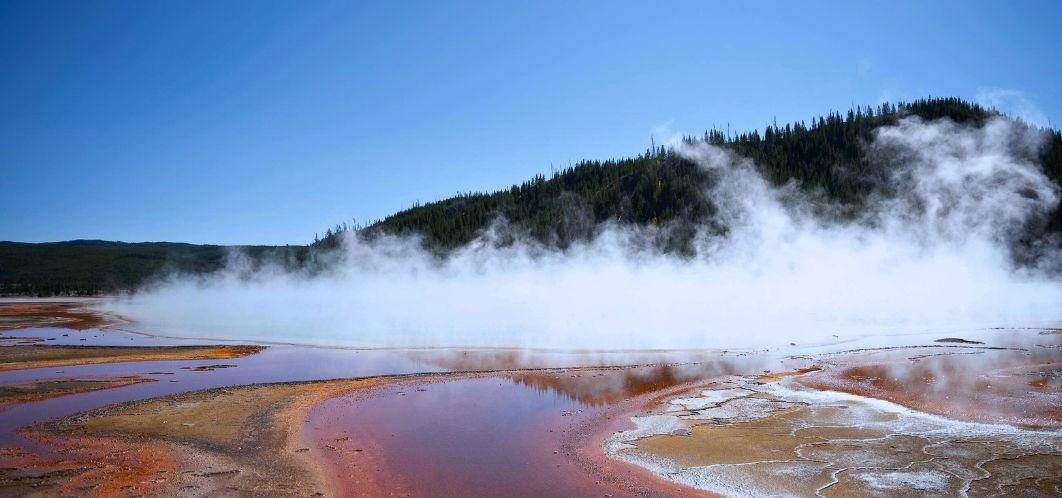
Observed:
{"x":934,"y":250}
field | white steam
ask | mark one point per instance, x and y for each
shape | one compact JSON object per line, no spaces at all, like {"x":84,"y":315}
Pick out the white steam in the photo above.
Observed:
{"x":932,"y":255}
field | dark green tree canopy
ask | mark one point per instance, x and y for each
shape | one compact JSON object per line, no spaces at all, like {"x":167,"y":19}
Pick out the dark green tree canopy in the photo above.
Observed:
{"x":826,"y":156}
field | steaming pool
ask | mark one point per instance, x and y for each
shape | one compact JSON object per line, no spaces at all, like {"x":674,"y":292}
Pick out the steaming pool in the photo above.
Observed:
{"x":946,"y":412}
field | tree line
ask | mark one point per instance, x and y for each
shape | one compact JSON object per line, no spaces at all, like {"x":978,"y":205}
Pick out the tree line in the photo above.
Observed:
{"x":826,"y":155}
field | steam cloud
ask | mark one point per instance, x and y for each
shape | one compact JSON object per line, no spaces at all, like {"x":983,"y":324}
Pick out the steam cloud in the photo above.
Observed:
{"x":933,"y":253}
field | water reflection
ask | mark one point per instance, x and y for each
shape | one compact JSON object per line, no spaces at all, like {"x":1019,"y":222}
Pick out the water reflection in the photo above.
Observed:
{"x":606,"y":387}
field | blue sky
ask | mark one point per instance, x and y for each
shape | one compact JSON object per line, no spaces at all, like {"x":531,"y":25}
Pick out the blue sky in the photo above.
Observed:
{"x":265,"y":122}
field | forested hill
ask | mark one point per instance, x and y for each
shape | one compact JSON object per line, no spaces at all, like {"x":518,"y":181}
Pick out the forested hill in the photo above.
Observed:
{"x":660,"y":187}
{"x":86,"y":267}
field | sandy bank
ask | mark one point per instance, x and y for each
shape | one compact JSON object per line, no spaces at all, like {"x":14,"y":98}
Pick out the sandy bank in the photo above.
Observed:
{"x":23,"y":357}
{"x":24,"y":392}
{"x":25,"y":314}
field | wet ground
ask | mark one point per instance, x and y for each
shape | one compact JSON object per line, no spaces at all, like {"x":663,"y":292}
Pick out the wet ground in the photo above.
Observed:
{"x":977,"y":413}
{"x":516,"y":433}
{"x":1015,"y":380}
{"x":746,"y":438}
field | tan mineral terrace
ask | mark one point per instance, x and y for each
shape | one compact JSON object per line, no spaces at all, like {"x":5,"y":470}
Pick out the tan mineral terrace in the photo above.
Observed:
{"x":747,"y":438}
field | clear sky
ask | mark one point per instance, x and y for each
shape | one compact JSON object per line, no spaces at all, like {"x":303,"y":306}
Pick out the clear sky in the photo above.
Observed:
{"x":264,"y":122}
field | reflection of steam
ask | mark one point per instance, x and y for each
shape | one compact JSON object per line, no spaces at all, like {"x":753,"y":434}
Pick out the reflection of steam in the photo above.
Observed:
{"x":932,"y":251}
{"x":1018,"y":383}
{"x":596,"y":378}
{"x":604,"y":387}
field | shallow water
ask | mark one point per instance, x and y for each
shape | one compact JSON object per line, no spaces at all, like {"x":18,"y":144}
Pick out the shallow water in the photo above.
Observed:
{"x":274,"y":364}
{"x":501,"y":435}
{"x":277,"y":363}
{"x":485,"y":436}
{"x":498,"y":434}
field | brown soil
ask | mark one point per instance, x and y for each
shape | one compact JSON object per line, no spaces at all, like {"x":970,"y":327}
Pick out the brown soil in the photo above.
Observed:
{"x":24,"y":357}
{"x":233,"y":441}
{"x":777,"y":376}
{"x":85,"y":467}
{"x":44,"y":389}
{"x":20,"y":340}
{"x":957,"y":340}
{"x":66,"y":315}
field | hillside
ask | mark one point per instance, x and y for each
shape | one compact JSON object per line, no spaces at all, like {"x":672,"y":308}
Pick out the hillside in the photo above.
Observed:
{"x":660,"y":187}
{"x":827,"y":156}
{"x":85,"y":267}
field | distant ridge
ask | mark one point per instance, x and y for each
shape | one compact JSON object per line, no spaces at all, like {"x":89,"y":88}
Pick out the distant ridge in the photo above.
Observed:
{"x":87,"y":267}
